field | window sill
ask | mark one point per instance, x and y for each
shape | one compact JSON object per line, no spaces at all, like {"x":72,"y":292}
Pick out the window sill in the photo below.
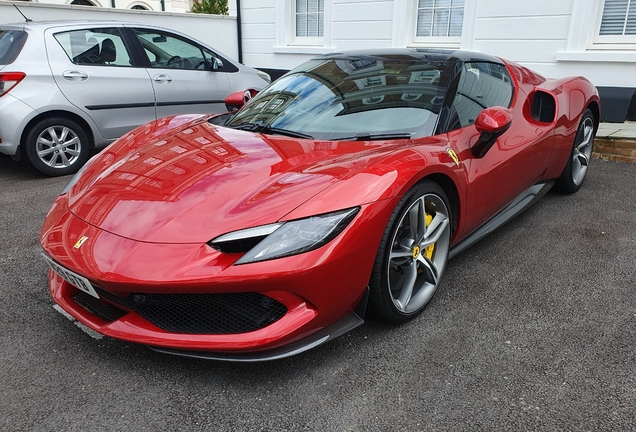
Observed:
{"x":597,"y":56}
{"x":302,"y":49}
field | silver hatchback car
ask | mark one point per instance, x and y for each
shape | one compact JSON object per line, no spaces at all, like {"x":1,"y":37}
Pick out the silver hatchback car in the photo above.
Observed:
{"x":69,"y":87}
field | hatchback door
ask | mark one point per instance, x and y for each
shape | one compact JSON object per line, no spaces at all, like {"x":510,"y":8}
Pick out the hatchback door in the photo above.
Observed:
{"x":187,"y":77}
{"x":96,"y":72}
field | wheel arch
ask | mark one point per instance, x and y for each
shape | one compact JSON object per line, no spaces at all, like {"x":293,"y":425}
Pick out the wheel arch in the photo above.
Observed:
{"x":57,"y":113}
{"x":449,"y":187}
{"x":596,"y":112}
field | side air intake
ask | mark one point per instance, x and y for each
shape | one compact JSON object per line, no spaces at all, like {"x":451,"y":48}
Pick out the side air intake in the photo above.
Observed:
{"x":543,"y":107}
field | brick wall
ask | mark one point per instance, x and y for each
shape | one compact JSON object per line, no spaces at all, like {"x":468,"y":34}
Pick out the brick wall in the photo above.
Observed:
{"x":615,"y":149}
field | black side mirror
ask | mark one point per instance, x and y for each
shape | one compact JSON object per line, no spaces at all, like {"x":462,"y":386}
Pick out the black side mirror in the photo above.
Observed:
{"x":491,"y":123}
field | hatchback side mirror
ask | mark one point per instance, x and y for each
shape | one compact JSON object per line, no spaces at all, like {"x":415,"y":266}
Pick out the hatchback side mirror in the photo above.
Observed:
{"x":491,"y":123}
{"x":216,"y":63}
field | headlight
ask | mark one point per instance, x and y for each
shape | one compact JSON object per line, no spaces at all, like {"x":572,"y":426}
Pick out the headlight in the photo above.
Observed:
{"x":284,"y":239}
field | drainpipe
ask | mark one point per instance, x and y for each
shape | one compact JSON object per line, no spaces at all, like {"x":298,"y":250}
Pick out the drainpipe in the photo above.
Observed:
{"x":239,"y":35}
{"x":163,"y":5}
{"x":112,"y":3}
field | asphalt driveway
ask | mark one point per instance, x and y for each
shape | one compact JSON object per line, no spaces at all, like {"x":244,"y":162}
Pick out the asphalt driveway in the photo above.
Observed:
{"x":534,"y":328}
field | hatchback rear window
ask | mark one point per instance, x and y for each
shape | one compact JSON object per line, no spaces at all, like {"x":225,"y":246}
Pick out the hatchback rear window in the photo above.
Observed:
{"x":11,"y":43}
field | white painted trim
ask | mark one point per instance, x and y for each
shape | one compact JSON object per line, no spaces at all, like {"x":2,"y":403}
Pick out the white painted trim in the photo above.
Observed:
{"x":597,"y":56}
{"x":302,"y":49}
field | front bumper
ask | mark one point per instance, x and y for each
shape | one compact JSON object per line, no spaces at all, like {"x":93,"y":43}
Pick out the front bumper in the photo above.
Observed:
{"x":323,"y":291}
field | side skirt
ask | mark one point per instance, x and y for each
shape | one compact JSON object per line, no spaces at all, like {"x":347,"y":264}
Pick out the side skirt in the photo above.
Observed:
{"x":518,"y":205}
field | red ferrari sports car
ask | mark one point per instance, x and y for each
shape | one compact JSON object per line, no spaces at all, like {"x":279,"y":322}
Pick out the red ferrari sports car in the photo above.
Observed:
{"x":343,"y":187}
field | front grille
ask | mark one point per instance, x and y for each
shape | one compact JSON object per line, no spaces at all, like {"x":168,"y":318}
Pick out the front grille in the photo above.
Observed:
{"x":202,"y":313}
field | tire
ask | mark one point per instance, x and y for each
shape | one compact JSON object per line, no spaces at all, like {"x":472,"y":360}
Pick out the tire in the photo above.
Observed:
{"x":410,"y":261}
{"x":576,"y":168}
{"x":57,"y":146}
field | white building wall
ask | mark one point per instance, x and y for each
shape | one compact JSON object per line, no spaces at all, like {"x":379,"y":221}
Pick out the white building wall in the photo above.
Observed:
{"x":553,"y":37}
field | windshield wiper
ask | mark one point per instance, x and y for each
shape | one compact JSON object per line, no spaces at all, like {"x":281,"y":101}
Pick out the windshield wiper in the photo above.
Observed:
{"x":375,"y":137}
{"x":267,"y":129}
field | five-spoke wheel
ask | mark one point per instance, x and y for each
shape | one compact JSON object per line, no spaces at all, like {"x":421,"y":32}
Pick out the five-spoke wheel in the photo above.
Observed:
{"x":413,"y":254}
{"x":576,"y":168}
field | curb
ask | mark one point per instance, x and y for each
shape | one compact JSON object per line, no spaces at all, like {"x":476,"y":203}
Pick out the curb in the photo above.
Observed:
{"x":614,"y":149}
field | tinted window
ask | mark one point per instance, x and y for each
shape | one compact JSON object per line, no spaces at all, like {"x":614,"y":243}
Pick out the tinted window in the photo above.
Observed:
{"x":341,"y":97}
{"x":103,"y":46}
{"x":481,"y":85}
{"x":11,"y":43}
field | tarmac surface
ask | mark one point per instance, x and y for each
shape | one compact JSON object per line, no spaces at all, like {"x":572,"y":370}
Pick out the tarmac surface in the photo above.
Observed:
{"x":534,"y":328}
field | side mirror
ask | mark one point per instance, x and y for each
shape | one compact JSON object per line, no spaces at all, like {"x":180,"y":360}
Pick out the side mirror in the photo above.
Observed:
{"x":216,"y":63}
{"x":491,"y":123}
{"x":236,"y":100}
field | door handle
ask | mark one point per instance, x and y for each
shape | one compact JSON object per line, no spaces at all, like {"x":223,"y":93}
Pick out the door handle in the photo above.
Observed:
{"x":162,"y":78}
{"x":75,"y":75}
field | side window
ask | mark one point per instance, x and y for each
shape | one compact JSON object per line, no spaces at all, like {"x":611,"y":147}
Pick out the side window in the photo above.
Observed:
{"x":165,"y":50}
{"x":102,"y":46}
{"x":481,"y":85}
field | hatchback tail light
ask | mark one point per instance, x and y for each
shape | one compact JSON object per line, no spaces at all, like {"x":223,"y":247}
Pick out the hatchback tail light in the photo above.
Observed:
{"x":8,"y":80}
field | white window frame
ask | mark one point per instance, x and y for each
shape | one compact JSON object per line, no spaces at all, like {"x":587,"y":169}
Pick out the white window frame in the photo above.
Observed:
{"x":611,"y":41}
{"x":584,"y":42}
{"x":405,"y":11}
{"x":452,"y":41}
{"x":286,"y":40}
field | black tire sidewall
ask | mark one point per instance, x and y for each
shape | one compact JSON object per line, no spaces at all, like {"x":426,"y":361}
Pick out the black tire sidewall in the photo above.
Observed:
{"x":30,"y":144}
{"x":380,"y":301}
{"x":565,"y":184}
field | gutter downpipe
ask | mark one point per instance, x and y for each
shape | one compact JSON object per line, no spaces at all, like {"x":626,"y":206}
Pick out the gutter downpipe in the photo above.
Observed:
{"x":239,"y":34}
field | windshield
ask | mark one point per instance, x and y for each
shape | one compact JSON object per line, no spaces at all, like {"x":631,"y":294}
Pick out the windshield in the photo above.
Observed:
{"x":344,"y":97}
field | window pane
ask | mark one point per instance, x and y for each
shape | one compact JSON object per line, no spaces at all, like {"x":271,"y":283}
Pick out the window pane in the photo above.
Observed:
{"x":312,"y":25}
{"x":424,"y":23}
{"x":166,"y":50}
{"x":456,"y":20}
{"x":440,"y":22}
{"x":631,"y":19}
{"x":440,"y":18}
{"x":301,"y":25}
{"x":102,"y":46}
{"x":614,"y":14}
{"x":309,"y":18}
{"x":481,"y":85}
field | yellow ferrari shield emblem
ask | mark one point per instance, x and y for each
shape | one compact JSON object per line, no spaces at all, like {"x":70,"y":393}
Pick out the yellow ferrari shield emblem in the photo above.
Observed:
{"x":80,"y":242}
{"x":453,"y":155}
{"x":416,"y":251}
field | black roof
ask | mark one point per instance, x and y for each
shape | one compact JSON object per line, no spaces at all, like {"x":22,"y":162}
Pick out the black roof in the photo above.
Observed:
{"x":424,"y":54}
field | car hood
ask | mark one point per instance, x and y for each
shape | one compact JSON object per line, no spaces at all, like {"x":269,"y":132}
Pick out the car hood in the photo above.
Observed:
{"x":198,"y":181}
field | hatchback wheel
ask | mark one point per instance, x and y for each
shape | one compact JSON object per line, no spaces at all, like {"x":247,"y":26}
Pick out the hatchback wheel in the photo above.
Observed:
{"x":57,"y":146}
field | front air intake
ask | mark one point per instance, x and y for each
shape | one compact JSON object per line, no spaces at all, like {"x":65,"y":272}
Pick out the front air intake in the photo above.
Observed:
{"x":543,"y":107}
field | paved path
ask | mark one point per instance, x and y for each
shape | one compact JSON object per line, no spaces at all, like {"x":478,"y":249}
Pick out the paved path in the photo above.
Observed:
{"x":534,"y":328}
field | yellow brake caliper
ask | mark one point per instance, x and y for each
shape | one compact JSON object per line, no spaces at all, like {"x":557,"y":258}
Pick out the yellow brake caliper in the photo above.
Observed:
{"x":428,"y":252}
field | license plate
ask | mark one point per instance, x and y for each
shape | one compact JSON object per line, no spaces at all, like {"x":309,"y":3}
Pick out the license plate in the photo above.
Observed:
{"x":79,"y":282}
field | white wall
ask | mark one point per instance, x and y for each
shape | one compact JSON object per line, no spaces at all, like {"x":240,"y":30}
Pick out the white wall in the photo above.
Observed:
{"x":553,"y":37}
{"x":214,"y":30}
